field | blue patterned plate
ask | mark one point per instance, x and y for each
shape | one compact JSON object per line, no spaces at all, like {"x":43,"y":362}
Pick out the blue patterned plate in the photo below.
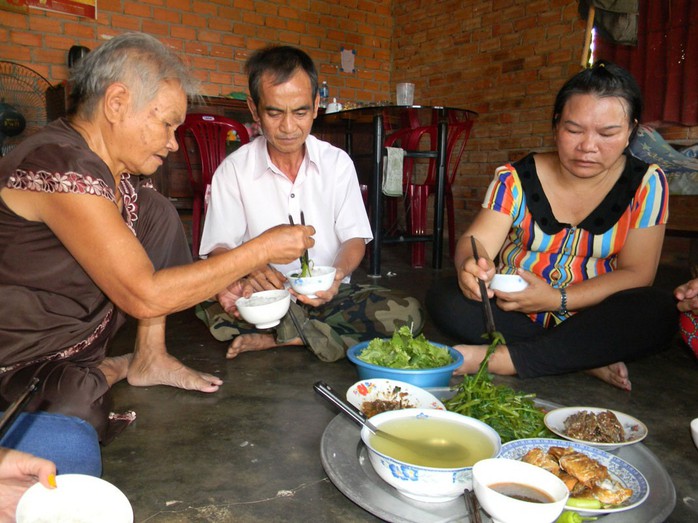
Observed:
{"x":620,"y":470}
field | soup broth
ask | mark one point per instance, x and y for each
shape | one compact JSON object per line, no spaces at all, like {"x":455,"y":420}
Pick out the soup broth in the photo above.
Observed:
{"x":522,"y":492}
{"x":438,"y":443}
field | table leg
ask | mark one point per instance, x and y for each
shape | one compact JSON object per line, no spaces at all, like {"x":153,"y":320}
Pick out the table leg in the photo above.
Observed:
{"x":437,"y":251}
{"x":376,"y":197}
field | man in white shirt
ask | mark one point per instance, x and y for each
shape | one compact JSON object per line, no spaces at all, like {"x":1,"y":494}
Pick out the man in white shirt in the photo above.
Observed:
{"x":278,"y":175}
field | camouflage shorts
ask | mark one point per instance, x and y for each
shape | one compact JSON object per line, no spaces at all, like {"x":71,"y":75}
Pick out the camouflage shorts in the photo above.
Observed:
{"x":357,"y":313}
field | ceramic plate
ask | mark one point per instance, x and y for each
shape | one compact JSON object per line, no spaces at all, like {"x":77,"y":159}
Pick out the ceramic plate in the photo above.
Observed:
{"x":635,"y":430}
{"x":77,"y":498}
{"x":620,"y":470}
{"x":409,"y":396}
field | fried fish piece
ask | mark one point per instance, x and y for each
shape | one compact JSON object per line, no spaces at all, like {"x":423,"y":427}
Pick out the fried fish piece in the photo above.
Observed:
{"x":586,"y":470}
{"x":609,"y":492}
{"x":539,"y":458}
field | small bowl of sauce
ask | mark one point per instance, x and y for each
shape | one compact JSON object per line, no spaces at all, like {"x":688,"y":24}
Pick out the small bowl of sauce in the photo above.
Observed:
{"x":512,"y":491}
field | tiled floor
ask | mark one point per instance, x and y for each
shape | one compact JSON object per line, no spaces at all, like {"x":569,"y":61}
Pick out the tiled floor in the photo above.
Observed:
{"x":251,"y":452}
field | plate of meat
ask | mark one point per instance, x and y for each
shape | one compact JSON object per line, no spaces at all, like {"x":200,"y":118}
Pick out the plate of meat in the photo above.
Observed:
{"x":605,"y":483}
{"x":597,"y":427}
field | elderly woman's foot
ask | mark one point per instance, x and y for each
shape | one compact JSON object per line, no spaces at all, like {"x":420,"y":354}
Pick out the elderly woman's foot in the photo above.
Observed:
{"x":115,"y":368}
{"x":615,"y":374}
{"x":159,"y":368}
{"x":253,"y":342}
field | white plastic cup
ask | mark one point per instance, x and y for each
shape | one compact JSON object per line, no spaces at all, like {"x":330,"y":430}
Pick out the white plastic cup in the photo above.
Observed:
{"x":405,"y":93}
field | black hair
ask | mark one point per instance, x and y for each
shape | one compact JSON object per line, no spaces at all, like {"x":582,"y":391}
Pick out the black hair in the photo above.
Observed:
{"x":603,"y":79}
{"x":281,"y":62}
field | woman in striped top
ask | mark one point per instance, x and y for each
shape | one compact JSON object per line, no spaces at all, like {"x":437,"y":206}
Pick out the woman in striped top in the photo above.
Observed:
{"x":584,"y":227}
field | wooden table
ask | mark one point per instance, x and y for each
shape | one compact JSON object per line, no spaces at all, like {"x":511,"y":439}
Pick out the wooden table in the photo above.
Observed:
{"x":379,"y":118}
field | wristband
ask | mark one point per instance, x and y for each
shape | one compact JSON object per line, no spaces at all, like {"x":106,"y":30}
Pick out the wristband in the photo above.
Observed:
{"x":563,"y":301}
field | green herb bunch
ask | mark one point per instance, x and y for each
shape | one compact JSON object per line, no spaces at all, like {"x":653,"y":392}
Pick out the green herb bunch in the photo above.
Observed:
{"x":512,"y":414}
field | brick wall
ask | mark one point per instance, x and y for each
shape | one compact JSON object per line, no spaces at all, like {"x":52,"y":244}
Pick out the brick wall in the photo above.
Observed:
{"x":505,"y":59}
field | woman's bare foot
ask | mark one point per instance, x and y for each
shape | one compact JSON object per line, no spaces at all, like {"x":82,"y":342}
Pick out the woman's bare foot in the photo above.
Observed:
{"x":252,"y":342}
{"x":499,"y":363}
{"x":115,"y":368}
{"x":615,"y":374}
{"x":160,"y":368}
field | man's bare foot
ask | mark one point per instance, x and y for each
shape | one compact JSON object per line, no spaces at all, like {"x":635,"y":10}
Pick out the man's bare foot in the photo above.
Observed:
{"x":252,"y":342}
{"x":160,"y":368}
{"x":615,"y":374}
{"x":499,"y":363}
{"x":115,"y":368}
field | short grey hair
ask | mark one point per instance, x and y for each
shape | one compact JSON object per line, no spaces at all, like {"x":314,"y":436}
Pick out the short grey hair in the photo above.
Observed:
{"x":138,"y":60}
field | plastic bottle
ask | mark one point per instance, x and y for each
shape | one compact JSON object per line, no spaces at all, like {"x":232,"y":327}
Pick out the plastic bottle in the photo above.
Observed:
{"x":324,"y":94}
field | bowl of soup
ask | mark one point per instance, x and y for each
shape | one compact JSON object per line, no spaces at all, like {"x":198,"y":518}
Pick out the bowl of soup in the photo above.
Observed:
{"x":512,"y":491}
{"x":433,"y":458}
{"x":320,"y":278}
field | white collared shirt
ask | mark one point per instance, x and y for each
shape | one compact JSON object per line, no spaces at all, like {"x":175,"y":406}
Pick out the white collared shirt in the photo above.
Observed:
{"x":250,"y":195}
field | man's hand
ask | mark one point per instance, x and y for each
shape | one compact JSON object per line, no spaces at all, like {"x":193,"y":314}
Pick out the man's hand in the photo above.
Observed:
{"x":266,"y":279}
{"x":228,"y":296}
{"x":323,"y":297}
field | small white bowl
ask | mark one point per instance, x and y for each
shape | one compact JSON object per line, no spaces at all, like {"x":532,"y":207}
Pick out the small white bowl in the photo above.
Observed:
{"x":422,"y":483}
{"x":78,"y":498}
{"x":506,"y":509}
{"x":321,"y":279}
{"x":404,"y":395}
{"x":508,"y":283}
{"x":264,"y":309}
{"x":694,"y":431}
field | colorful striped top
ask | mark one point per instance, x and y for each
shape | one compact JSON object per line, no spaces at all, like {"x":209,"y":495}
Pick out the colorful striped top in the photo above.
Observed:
{"x":561,"y":253}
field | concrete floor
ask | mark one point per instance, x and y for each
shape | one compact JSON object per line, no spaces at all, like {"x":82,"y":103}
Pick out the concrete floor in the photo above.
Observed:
{"x":251,"y":452}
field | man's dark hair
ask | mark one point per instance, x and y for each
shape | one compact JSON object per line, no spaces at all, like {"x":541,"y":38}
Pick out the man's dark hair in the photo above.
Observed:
{"x":281,"y":62}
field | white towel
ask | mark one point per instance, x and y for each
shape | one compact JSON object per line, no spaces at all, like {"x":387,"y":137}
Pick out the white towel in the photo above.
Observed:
{"x":392,"y":171}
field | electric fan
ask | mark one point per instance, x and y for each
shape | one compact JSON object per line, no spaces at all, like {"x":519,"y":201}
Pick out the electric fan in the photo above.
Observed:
{"x":22,"y":104}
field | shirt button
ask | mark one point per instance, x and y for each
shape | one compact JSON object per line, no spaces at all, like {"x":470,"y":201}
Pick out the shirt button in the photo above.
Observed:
{"x":293,"y":195}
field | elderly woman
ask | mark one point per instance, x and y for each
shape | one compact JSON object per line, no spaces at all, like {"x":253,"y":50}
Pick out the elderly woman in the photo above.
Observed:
{"x":85,"y":241}
{"x":583,"y":226}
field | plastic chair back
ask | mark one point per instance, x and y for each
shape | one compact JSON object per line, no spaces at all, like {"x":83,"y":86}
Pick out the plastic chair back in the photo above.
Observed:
{"x":211,"y":133}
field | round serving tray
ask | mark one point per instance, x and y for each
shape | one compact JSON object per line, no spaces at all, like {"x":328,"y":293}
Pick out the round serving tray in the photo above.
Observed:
{"x":345,"y":459}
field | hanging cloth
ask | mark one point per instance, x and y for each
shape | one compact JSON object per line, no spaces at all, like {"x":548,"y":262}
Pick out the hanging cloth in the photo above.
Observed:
{"x":614,"y":20}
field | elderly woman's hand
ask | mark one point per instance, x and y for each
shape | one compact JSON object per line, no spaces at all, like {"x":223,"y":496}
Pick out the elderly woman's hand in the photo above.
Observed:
{"x":539,"y":296}
{"x":285,"y":243}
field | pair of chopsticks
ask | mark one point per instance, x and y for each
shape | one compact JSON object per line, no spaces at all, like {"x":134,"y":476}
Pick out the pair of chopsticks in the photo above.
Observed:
{"x":472,"y":506}
{"x":17,"y":406}
{"x":304,"y":258}
{"x":486,"y":307}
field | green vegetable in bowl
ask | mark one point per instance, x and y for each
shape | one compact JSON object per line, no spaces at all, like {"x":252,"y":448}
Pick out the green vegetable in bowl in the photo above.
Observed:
{"x":403,"y":351}
{"x":512,"y":414}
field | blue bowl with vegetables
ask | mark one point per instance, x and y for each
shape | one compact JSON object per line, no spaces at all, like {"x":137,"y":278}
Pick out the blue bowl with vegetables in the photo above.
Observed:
{"x":413,"y":360}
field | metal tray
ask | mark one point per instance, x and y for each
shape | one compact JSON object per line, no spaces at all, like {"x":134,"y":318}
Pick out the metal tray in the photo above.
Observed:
{"x":345,"y":459}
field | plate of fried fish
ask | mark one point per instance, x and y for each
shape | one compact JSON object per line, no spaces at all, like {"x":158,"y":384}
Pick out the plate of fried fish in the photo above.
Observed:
{"x":609,"y":483}
{"x":597,"y":427}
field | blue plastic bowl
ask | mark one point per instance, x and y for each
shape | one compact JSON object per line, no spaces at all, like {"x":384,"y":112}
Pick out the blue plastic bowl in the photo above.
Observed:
{"x":436,"y":377}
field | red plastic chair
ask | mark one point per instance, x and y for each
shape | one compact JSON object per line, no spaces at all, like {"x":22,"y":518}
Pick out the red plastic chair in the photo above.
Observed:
{"x":417,"y":194}
{"x":211,"y":134}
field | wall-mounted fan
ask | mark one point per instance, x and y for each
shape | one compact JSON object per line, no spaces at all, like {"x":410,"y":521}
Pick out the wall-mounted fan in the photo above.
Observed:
{"x":22,"y":104}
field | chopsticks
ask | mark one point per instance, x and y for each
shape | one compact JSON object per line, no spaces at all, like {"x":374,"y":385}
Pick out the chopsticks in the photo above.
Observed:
{"x":305,"y":261}
{"x":472,"y":507}
{"x":17,"y":405}
{"x":486,"y":306}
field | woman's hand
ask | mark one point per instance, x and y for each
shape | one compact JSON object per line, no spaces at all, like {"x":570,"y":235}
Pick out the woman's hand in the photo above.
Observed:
{"x":470,"y":272}
{"x":18,"y":472}
{"x":539,"y":296}
{"x":285,"y":243}
{"x":687,"y":294}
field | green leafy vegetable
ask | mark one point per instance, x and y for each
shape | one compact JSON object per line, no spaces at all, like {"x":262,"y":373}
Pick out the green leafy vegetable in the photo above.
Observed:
{"x":403,"y":351}
{"x":512,"y":414}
